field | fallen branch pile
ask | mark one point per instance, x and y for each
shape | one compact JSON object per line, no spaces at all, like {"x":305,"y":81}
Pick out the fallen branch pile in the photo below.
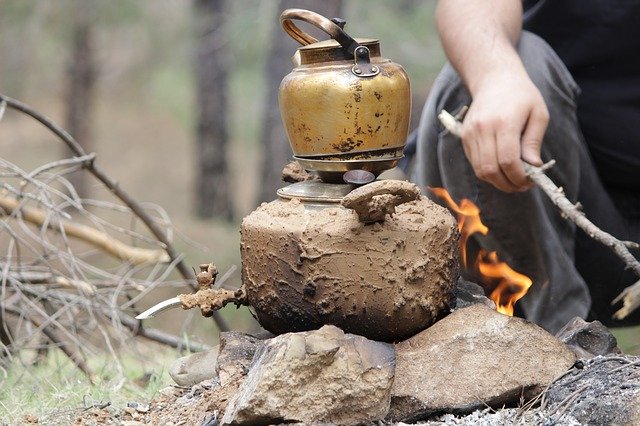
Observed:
{"x":57,"y":289}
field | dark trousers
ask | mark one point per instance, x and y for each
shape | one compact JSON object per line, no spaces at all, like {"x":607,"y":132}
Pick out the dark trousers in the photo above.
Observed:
{"x":572,"y":274}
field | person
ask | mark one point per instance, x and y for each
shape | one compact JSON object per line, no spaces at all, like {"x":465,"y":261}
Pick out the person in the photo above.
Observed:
{"x":543,"y":79}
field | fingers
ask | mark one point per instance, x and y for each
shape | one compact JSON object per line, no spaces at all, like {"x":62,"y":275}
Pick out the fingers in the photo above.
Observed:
{"x":494,"y":153}
{"x":508,"y":151}
{"x":533,"y":134}
{"x":489,"y":167}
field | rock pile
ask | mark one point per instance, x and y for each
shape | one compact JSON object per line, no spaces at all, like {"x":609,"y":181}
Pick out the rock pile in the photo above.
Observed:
{"x":471,"y":359}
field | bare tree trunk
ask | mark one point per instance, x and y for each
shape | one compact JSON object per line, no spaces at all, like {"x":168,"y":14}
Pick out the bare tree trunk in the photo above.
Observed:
{"x":407,"y":6}
{"x":212,"y":180}
{"x":81,"y":75}
{"x":275,"y":146}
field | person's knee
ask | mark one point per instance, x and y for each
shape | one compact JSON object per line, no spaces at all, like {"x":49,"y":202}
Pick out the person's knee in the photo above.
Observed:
{"x":546,"y":69}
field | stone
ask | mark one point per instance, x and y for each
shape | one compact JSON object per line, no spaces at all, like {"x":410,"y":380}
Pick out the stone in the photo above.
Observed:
{"x":191,"y":369}
{"x":473,"y":358}
{"x":599,"y":391}
{"x":468,"y":293}
{"x":235,"y":356}
{"x":588,"y":339}
{"x":321,"y":376}
{"x":226,"y":362}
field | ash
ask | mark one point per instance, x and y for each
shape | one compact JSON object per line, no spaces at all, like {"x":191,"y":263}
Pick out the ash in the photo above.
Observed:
{"x":506,"y":416}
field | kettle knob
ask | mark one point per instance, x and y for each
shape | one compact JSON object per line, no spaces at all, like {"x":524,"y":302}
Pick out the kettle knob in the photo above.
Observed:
{"x":339,"y":22}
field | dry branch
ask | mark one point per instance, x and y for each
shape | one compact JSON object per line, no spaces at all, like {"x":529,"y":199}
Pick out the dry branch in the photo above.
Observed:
{"x":35,"y":277}
{"x":99,"y":239}
{"x":630,"y":296}
{"x":160,"y":336}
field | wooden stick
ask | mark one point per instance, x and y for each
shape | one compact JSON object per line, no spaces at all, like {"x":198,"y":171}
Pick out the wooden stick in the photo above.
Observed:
{"x":98,"y":239}
{"x":630,"y":296}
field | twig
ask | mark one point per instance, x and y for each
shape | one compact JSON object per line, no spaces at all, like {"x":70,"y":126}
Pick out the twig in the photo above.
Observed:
{"x":622,"y":367}
{"x":101,"y":240}
{"x":630,"y":296}
{"x":133,"y":325}
{"x":79,"y":161}
{"x":3,"y":108}
{"x":160,"y":336}
{"x":35,"y":277}
{"x":115,"y":188}
{"x":73,"y":355}
{"x":567,"y":402}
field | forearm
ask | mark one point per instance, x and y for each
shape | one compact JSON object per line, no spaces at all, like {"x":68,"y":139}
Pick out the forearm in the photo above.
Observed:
{"x":479,"y":36}
{"x":508,"y":117}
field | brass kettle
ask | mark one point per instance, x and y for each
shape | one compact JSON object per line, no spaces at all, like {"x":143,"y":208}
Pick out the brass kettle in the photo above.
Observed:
{"x":343,"y":106}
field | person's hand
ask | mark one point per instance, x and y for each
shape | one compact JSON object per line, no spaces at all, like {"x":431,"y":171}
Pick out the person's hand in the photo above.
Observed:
{"x":505,"y":123}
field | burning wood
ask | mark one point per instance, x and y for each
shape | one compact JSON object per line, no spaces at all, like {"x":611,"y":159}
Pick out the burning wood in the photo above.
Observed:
{"x":505,"y":285}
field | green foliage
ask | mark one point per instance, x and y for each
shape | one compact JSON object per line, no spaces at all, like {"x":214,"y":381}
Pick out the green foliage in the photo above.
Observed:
{"x":628,"y":339}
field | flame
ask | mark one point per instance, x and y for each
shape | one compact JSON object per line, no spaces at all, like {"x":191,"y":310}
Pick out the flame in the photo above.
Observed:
{"x":468,"y":219}
{"x":511,"y":285}
{"x":508,"y":286}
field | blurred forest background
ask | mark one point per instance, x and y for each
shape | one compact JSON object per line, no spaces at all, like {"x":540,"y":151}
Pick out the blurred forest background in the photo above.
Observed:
{"x":178,"y":99}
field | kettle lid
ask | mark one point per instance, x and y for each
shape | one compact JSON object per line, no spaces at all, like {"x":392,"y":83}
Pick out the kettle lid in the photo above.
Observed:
{"x":331,"y":50}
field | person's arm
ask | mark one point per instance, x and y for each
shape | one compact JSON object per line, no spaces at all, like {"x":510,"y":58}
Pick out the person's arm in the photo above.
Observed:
{"x":507,"y":117}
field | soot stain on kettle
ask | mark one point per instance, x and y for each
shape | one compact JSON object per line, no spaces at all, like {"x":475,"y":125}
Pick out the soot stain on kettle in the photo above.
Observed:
{"x":347,"y":145}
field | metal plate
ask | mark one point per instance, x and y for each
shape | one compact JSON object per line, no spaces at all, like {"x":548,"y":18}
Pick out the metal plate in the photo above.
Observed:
{"x":372,"y":154}
{"x":316,"y":191}
{"x":331,"y":171}
{"x":371,"y":164}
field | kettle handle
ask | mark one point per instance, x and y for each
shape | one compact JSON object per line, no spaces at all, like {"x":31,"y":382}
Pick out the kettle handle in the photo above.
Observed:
{"x":318,"y":21}
{"x":371,"y":207}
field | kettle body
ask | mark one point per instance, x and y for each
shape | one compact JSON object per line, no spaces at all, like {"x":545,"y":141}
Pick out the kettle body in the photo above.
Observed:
{"x":306,"y":264}
{"x":343,"y":103}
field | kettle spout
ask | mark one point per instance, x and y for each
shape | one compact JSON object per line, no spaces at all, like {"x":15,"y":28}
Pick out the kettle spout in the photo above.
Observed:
{"x":207,"y":299}
{"x":165,"y":305}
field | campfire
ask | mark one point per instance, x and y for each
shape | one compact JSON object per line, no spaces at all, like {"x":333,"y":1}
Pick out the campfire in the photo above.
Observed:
{"x":504,"y":285}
